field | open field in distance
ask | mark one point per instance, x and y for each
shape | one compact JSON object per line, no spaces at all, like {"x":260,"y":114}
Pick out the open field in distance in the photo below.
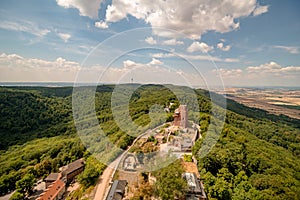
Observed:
{"x":276,"y":101}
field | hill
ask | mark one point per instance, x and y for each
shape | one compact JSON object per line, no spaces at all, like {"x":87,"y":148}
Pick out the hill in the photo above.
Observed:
{"x":28,"y":113}
{"x":256,"y":157}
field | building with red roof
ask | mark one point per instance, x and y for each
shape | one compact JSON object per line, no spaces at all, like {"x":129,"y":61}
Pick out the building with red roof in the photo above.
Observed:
{"x":54,"y":192}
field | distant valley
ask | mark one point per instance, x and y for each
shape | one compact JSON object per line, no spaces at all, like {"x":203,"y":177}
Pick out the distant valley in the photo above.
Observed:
{"x":278,"y":101}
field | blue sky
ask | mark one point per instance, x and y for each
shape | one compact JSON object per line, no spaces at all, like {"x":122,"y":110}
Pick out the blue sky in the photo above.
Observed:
{"x":189,"y":42}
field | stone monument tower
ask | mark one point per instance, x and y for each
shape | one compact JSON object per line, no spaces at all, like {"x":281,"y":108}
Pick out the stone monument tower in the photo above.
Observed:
{"x":181,"y":116}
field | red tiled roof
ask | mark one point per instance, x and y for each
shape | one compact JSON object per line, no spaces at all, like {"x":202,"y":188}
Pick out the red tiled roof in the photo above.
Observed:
{"x":52,"y":191}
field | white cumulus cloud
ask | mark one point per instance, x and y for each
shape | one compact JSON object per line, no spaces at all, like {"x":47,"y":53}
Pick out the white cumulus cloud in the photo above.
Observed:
{"x":274,"y":68}
{"x":87,"y":8}
{"x":150,"y":40}
{"x":260,"y":10}
{"x":267,"y":74}
{"x":155,"y":61}
{"x":173,"y":42}
{"x":268,"y":69}
{"x":114,"y":14}
{"x":17,"y":68}
{"x":222,"y":47}
{"x":199,"y":46}
{"x":190,"y":17}
{"x":195,"y":57}
{"x":229,"y":73}
{"x":129,"y":64}
{"x":101,"y":24}
{"x":64,"y":36}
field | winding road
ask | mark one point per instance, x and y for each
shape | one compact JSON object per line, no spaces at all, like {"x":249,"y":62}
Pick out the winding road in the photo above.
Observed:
{"x":108,"y":173}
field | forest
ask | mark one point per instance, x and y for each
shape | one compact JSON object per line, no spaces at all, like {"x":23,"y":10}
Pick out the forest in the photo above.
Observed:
{"x":257,"y":155}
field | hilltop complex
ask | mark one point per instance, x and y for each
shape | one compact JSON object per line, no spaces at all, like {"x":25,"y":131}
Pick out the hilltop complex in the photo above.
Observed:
{"x":176,"y":137}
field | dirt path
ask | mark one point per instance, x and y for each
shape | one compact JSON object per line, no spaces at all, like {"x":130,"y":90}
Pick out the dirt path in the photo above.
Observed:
{"x":103,"y":183}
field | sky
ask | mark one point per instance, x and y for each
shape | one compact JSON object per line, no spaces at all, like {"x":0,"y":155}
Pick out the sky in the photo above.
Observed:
{"x":185,"y":42}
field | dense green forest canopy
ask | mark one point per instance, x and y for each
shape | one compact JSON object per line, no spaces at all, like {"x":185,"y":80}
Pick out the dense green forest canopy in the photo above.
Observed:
{"x":256,"y":157}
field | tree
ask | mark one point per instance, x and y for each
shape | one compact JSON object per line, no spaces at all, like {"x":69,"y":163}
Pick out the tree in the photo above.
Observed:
{"x":89,"y":176}
{"x":91,"y":172}
{"x":170,"y":184}
{"x":187,"y":158}
{"x":151,"y":139}
{"x":25,"y":185}
{"x":221,"y":189}
{"x":17,"y":196}
{"x":144,"y":191}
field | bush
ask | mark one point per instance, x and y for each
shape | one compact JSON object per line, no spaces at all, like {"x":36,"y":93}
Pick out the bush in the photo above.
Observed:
{"x":187,"y":158}
{"x":17,"y":196}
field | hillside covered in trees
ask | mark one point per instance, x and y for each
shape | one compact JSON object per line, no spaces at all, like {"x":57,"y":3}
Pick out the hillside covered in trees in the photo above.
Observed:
{"x":256,"y":157}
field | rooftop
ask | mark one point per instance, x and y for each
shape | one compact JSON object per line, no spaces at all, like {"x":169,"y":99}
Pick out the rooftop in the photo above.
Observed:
{"x":192,"y":182}
{"x":52,"y":190}
{"x":77,"y":164}
{"x":117,"y":190}
{"x":52,"y":177}
{"x":191,"y":167}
